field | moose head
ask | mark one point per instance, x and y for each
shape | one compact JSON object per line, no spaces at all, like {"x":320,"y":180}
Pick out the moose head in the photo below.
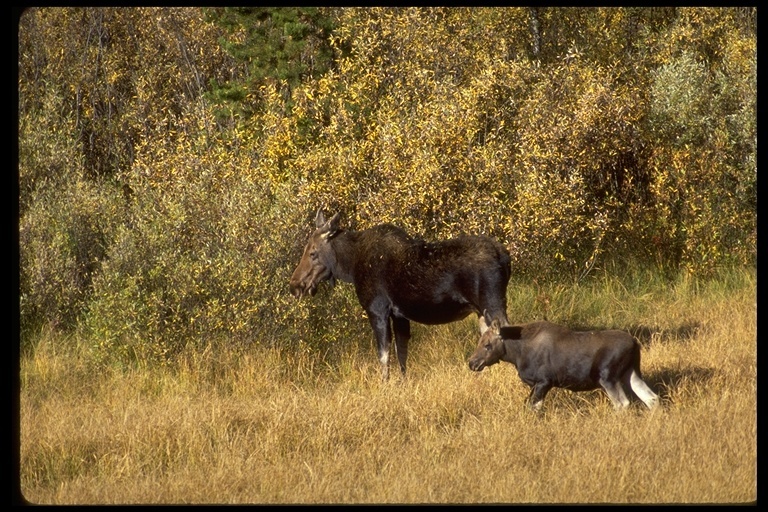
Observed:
{"x":318,"y":262}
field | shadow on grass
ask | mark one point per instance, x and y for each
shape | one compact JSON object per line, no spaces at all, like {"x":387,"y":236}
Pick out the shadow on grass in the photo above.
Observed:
{"x":668,"y":380}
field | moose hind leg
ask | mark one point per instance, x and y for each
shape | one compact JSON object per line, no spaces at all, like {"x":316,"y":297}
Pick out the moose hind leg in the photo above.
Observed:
{"x":643,"y":391}
{"x":402,"y":328}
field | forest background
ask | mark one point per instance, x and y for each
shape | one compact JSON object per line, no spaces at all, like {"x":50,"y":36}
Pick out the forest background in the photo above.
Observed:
{"x":171,"y":160}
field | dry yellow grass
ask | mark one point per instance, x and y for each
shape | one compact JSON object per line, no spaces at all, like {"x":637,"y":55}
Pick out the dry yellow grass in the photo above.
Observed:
{"x":265,"y":426}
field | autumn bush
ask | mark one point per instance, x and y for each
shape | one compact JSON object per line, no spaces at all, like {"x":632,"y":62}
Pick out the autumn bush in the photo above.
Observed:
{"x":171,"y":160}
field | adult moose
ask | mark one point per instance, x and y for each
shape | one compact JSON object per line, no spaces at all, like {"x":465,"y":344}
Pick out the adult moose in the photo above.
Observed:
{"x":548,"y":355}
{"x":399,"y":279}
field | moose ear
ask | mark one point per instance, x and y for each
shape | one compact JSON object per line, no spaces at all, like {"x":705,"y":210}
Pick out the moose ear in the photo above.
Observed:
{"x":495,"y":325}
{"x":331,"y":228}
{"x":319,"y":219}
{"x":333,"y":224}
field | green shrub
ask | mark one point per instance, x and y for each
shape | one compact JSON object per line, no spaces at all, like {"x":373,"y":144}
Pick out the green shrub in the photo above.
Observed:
{"x":64,"y":237}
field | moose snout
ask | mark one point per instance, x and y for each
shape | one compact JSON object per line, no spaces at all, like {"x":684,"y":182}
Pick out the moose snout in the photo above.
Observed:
{"x":476,"y":365}
{"x":297,"y":290}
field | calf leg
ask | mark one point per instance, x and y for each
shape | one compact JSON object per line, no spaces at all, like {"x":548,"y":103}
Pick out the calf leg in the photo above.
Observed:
{"x":615,"y":393}
{"x":642,"y":390}
{"x":402,"y":328}
{"x":538,"y":392}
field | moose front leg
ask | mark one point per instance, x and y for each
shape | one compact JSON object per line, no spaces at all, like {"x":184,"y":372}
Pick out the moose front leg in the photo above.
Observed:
{"x":402,"y":328}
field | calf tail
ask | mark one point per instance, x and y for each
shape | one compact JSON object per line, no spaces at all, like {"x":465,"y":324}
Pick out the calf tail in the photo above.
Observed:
{"x":636,"y":358}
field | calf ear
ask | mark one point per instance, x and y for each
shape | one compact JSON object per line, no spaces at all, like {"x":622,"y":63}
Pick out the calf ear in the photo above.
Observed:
{"x":492,"y":324}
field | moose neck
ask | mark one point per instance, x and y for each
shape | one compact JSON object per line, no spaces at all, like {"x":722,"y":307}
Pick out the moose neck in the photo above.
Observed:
{"x":344,"y":247}
{"x":512,"y":350}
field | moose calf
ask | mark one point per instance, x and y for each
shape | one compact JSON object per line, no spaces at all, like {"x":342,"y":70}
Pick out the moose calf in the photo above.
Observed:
{"x":548,"y":355}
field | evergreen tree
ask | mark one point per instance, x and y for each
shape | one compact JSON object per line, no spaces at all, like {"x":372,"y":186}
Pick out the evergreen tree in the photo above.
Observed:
{"x":286,"y":44}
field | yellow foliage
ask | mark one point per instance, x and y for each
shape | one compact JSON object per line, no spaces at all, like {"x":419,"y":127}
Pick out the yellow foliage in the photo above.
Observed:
{"x":628,"y":132}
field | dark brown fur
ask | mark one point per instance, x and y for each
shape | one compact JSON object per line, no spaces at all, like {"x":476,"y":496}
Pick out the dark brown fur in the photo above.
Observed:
{"x":399,"y":279}
{"x":548,"y":355}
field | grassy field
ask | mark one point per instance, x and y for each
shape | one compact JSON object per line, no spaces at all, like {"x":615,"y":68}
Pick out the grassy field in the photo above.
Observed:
{"x":262,"y":425}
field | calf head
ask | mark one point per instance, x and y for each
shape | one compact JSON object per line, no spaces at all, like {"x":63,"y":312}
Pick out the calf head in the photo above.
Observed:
{"x":490,"y":349}
{"x":319,"y":260}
